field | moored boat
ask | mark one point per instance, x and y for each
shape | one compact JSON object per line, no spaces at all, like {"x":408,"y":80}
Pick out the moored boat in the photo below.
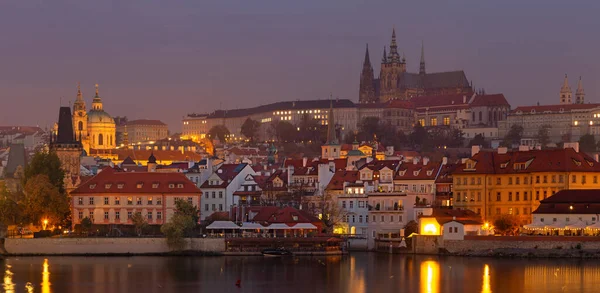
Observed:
{"x":276,"y":252}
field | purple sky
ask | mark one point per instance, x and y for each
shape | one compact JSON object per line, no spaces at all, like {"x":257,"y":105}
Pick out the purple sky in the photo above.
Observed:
{"x":163,"y":59}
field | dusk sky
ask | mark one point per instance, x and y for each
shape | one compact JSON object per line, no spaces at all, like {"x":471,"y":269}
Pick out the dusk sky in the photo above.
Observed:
{"x":164,"y":59}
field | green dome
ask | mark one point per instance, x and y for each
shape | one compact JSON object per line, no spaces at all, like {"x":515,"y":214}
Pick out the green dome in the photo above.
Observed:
{"x":355,"y":153}
{"x":95,"y":116}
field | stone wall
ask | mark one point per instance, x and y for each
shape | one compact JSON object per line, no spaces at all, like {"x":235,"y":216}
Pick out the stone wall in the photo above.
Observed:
{"x":487,"y":243}
{"x":426,"y":244}
{"x":99,"y":246}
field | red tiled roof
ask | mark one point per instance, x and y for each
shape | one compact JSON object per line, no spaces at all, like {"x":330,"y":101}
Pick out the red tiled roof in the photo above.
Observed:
{"x":146,"y":122}
{"x":377,"y":165}
{"x":489,"y":100}
{"x":284,"y":215}
{"x":554,"y":108}
{"x":443,"y":215}
{"x":446,"y":173}
{"x":108,"y":177}
{"x":556,"y":160}
{"x":441,"y":101}
{"x":407,"y":171}
{"x":143,"y":155}
{"x":338,"y":179}
{"x":581,"y":201}
{"x":226,"y":172}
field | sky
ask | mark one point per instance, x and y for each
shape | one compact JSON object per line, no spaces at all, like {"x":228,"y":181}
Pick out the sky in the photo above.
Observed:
{"x":165,"y":59}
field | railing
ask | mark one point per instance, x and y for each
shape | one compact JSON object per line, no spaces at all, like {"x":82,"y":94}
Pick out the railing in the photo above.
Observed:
{"x":384,"y":209}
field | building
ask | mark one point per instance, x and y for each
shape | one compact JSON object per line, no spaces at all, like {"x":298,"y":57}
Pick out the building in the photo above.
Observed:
{"x":565,"y":121}
{"x":94,"y":129}
{"x":220,"y":186}
{"x":493,"y":183}
{"x":568,"y":212}
{"x":144,"y":130}
{"x":112,"y":197}
{"x":451,"y":224}
{"x":65,"y":145}
{"x":30,"y":136}
{"x":395,"y":82}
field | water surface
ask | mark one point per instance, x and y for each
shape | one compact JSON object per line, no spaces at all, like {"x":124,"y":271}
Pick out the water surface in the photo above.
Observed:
{"x":356,"y":273}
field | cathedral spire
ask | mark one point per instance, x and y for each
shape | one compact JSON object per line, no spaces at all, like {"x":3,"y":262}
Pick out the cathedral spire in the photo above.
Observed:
{"x":580,"y":94}
{"x":79,"y":95}
{"x":422,"y":64}
{"x":367,"y":88}
{"x":565,"y":92}
{"x":384,"y":59}
{"x":331,"y":137}
{"x":367,"y":61}
{"x":394,"y":56}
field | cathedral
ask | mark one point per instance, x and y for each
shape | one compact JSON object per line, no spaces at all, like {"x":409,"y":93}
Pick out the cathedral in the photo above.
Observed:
{"x":395,"y":82}
{"x":94,"y":129}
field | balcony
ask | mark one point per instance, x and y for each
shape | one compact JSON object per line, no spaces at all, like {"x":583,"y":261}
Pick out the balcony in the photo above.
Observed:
{"x":386,"y":209}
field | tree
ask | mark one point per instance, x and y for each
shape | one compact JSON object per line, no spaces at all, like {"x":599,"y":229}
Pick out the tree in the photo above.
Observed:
{"x":218,"y":132}
{"x":311,"y":130}
{"x":326,"y":209}
{"x":86,"y":225}
{"x":139,"y":222}
{"x":285,"y":131}
{"x":587,"y":143}
{"x":543,"y":135}
{"x":419,"y":137}
{"x":507,"y":224}
{"x":10,"y":210}
{"x":479,"y":140}
{"x":43,"y":200}
{"x":181,"y":224}
{"x":46,"y":163}
{"x":250,"y":129}
{"x":514,"y":135}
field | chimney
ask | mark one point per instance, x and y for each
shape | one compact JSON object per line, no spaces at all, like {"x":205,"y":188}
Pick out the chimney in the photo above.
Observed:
{"x":415,"y":160}
{"x":597,"y":157}
{"x":464,"y":99}
{"x":445,"y":161}
{"x":524,"y":148}
{"x":475,"y":150}
{"x":502,"y":150}
{"x":425,"y":161}
{"x":290,"y":171}
{"x":304,"y":161}
{"x":574,"y":145}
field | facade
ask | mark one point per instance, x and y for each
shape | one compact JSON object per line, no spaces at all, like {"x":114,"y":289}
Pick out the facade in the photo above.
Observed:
{"x":496,"y":183}
{"x":220,"y":186}
{"x":143,"y":130}
{"x":66,"y":147}
{"x":113,"y":197}
{"x":567,"y":121}
{"x":94,"y":129}
{"x":569,"y":210}
{"x":395,"y":82}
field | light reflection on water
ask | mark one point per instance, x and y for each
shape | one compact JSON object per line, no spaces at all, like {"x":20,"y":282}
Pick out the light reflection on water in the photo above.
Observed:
{"x":357,"y":273}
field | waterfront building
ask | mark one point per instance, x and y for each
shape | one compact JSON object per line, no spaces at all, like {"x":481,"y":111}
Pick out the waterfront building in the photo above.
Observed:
{"x":389,"y":212}
{"x":220,"y":186}
{"x":112,"y":197}
{"x":443,"y":184}
{"x":451,"y":224}
{"x":418,"y":177}
{"x":395,"y":82}
{"x":493,"y":183}
{"x":568,"y":212}
{"x":144,"y":130}
{"x":348,"y":193}
{"x":566,"y":121}
{"x":94,"y":129}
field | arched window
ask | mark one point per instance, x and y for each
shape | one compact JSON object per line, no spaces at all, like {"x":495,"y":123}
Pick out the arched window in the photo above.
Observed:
{"x":80,"y":126}
{"x":100,"y":139}
{"x":480,"y":116}
{"x":111,"y":140}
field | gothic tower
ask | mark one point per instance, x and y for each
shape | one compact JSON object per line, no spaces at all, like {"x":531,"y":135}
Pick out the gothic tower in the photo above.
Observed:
{"x":67,"y":148}
{"x":392,"y":68}
{"x":422,"y":64}
{"x":80,"y":120}
{"x":331,"y":149}
{"x":565,"y":92}
{"x":580,"y":94}
{"x":367,"y":87}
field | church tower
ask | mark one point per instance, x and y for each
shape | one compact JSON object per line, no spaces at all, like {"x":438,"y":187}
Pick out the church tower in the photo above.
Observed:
{"x":580,"y":94}
{"x":367,"y":87}
{"x":565,"y":92}
{"x":67,"y":148}
{"x":331,"y":149}
{"x":392,"y":68}
{"x":422,"y":63}
{"x":80,"y":126}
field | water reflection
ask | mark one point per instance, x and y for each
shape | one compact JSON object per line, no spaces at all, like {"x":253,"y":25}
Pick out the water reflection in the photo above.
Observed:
{"x":45,"y":277}
{"x":486,"y":288}
{"x":8,"y":285}
{"x":430,"y":276}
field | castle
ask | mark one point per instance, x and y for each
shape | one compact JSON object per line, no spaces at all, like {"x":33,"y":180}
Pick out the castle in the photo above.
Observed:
{"x":395,"y":82}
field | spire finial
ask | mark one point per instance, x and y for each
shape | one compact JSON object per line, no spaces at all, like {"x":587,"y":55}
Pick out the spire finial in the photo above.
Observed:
{"x":367,"y":59}
{"x":97,"y":89}
{"x":394,"y":56}
{"x":422,"y":64}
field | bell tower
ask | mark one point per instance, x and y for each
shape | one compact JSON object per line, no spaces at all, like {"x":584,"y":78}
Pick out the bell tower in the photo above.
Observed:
{"x":80,"y":119}
{"x":565,"y":92}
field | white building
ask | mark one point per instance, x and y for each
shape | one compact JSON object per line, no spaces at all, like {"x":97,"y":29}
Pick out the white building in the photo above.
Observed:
{"x":218,"y":189}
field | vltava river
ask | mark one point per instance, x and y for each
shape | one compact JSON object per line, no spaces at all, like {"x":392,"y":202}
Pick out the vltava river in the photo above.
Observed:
{"x":356,"y":273}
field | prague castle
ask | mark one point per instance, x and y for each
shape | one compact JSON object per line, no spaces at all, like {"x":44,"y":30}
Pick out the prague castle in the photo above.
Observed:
{"x":94,"y":129}
{"x":395,"y":82}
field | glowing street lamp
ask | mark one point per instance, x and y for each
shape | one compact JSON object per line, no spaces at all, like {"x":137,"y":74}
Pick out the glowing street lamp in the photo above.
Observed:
{"x":45,"y":223}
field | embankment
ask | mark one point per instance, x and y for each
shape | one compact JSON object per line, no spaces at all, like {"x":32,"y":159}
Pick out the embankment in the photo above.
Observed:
{"x":108,"y":246}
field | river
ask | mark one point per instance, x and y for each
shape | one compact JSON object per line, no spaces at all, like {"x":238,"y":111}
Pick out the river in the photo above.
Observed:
{"x":355,"y":273}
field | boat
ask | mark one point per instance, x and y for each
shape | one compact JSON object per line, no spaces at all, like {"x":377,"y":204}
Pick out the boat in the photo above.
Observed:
{"x":276,"y":252}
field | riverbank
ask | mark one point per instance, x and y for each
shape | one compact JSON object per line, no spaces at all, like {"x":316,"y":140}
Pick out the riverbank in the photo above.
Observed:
{"x":531,"y":253}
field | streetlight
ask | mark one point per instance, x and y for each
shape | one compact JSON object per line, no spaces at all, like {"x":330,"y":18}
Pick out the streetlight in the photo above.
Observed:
{"x":45,"y":223}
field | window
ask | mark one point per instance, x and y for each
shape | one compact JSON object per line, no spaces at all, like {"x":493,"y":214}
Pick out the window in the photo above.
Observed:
{"x":524,"y":211}
{"x":220,"y":207}
{"x":382,"y":219}
{"x":214,"y":207}
{"x":106,"y":215}
{"x":353,"y":218}
{"x":498,"y":181}
{"x":510,"y":180}
{"x":80,"y":215}
{"x":434,"y":121}
{"x":130,"y":200}
{"x":525,"y":180}
{"x":510,"y":196}
{"x":583,"y":179}
{"x":106,"y":200}
{"x":391,"y":218}
{"x":360,"y":219}
{"x":525,"y":195}
{"x":456,"y":228}
{"x":190,"y":200}
{"x":517,"y":196}
{"x":374,"y":220}
{"x":351,"y":204}
{"x":117,"y":215}
{"x":574,"y":179}
{"x":213,"y":194}
{"x":537,"y":195}
{"x":422,"y":123}
{"x":80,"y":200}
{"x":553,"y":178}
{"x":497,"y":211}
{"x":120,"y":186}
{"x":206,"y":207}
{"x":344,"y":204}
{"x":361,"y":204}
{"x":107,"y":185}
{"x":465,"y":181}
{"x":518,"y":180}
{"x":479,"y":181}
{"x":117,"y":201}
{"x":159,"y":200}
{"x":472,"y":180}
{"x":206,"y":194}
{"x":498,"y":196}
{"x":149,"y":215}
{"x":220,"y":194}
{"x":446,"y":120}
{"x":595,"y":179}
{"x":158,"y":215}
{"x":561,"y":179}
{"x":91,"y":200}
{"x":129,"y":215}
{"x":138,"y":201}
{"x":537,"y":179}
{"x":171,"y":185}
{"x":139,"y":185}
{"x":545,"y":178}
{"x":479,"y":196}
{"x":545,"y":194}
{"x":155,"y":185}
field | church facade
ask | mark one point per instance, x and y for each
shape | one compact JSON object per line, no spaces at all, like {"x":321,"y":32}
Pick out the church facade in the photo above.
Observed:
{"x":95,"y":129}
{"x":395,"y":83}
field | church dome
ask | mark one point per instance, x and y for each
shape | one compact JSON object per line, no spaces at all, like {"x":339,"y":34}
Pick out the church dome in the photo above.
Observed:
{"x":95,"y":116}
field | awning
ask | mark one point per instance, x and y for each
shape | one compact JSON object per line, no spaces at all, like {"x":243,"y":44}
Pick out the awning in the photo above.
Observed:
{"x":304,"y":226}
{"x":576,"y":225}
{"x":594,"y":226}
{"x":222,"y":225}
{"x":536,"y":225}
{"x":251,"y":226}
{"x":555,"y":225}
{"x":278,"y":226}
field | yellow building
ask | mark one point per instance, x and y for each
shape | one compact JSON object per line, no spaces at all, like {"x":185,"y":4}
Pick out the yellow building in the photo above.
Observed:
{"x":94,"y":129}
{"x":496,"y":183}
